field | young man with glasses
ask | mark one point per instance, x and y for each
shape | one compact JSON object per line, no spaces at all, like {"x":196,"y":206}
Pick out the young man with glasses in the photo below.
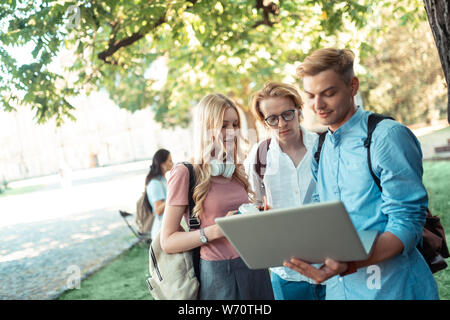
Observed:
{"x":287,"y":179}
{"x":396,"y":210}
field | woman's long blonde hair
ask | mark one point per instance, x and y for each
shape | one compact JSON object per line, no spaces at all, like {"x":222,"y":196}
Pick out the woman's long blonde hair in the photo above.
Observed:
{"x":207,"y":124}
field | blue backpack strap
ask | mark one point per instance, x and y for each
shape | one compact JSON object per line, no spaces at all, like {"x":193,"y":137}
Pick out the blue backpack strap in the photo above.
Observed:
{"x":372,"y":122}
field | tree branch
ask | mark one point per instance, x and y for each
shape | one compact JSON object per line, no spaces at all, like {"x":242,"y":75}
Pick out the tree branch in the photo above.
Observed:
{"x":269,"y":8}
{"x":114,"y":46}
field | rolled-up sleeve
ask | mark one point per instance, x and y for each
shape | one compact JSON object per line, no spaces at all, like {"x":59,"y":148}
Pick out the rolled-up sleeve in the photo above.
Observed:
{"x":397,"y":160}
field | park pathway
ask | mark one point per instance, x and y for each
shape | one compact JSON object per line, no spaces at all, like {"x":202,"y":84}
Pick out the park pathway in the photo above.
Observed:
{"x":53,"y":237}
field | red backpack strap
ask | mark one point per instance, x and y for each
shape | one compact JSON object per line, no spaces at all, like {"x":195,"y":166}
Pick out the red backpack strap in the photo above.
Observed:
{"x":261,"y":158}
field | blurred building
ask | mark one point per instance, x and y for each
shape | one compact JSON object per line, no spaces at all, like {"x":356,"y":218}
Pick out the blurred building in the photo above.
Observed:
{"x":103,"y":135}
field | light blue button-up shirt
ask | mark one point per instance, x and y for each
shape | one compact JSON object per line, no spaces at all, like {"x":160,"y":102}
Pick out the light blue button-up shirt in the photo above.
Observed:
{"x":343,"y":174}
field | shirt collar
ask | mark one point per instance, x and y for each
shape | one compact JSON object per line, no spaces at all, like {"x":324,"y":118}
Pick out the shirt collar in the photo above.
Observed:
{"x":274,"y":145}
{"x":355,"y":118}
{"x":309,"y":139}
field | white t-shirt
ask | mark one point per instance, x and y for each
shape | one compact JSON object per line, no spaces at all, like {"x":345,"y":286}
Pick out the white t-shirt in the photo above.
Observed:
{"x":285,"y":185}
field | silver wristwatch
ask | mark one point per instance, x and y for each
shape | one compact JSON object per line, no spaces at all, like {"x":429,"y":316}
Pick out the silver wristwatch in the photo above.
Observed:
{"x":203,"y":237}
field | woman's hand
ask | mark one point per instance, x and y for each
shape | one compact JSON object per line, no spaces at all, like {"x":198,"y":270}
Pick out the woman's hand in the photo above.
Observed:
{"x":215,"y":231}
{"x":173,"y":240}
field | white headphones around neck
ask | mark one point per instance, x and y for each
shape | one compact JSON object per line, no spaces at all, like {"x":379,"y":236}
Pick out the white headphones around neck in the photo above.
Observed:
{"x":219,"y":168}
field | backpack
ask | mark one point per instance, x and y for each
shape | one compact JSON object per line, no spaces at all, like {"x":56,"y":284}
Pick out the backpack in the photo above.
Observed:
{"x":144,"y":214}
{"x":261,"y":158}
{"x":434,"y":245}
{"x":176,"y":276}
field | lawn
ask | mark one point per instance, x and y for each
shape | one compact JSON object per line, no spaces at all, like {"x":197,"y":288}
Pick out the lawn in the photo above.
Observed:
{"x":124,"y":278}
{"x":21,"y":190}
{"x":437,"y":181}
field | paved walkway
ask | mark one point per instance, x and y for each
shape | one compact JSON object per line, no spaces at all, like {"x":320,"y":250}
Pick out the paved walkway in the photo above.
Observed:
{"x":52,"y":237}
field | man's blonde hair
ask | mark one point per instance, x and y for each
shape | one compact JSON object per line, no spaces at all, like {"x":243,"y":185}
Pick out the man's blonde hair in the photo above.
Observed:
{"x":271,"y":90}
{"x":339,"y":60}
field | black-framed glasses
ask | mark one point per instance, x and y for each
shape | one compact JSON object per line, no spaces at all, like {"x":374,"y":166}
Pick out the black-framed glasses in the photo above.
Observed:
{"x":287,"y":115}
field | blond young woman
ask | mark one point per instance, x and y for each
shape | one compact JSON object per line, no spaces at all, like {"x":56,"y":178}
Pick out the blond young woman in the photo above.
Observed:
{"x":221,"y":187}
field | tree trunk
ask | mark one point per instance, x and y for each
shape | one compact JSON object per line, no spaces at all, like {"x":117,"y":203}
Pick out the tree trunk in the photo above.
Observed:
{"x":438,"y":12}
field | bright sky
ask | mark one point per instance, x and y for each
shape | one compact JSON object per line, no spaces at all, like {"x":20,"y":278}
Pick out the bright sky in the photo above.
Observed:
{"x":21,"y":54}
{"x":158,"y":70}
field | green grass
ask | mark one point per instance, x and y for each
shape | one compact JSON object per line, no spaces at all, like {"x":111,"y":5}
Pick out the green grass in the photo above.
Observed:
{"x":22,"y":190}
{"x":437,"y":181}
{"x":124,"y":278}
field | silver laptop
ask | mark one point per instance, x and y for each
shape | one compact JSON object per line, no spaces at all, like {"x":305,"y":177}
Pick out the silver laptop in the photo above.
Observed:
{"x":311,"y":233}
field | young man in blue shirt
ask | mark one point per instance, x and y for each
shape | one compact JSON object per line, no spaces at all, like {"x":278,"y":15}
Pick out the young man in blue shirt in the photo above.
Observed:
{"x":397,"y":211}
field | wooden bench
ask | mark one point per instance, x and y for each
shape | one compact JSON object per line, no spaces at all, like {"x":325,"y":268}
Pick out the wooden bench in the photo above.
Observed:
{"x":443,"y":148}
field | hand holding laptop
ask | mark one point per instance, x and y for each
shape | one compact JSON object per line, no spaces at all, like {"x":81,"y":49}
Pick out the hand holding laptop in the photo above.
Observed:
{"x":328,"y":270}
{"x":265,"y":206}
{"x":312,"y":233}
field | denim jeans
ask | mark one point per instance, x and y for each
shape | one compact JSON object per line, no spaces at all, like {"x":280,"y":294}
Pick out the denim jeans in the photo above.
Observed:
{"x":296,"y":290}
